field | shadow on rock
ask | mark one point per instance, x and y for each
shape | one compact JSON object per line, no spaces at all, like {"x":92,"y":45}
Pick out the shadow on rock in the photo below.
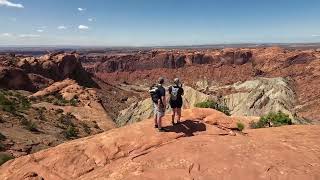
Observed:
{"x":188,"y":127}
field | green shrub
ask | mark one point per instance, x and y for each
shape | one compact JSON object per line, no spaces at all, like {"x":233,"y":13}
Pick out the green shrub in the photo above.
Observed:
{"x":41,"y":115}
{"x":66,"y":119}
{"x":13,"y":102}
{"x":214,"y":105}
{"x":24,"y":103}
{"x":86,"y":128}
{"x":240,"y":126}
{"x":31,"y":126}
{"x":2,"y":148}
{"x":71,"y":132}
{"x":2,"y":137}
{"x":6,"y":104}
{"x":74,"y":102}
{"x":59,"y":111}
{"x":272,"y":120}
{"x":4,"y":157}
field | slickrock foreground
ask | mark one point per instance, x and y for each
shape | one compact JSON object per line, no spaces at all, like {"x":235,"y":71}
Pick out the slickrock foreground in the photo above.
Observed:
{"x":195,"y":149}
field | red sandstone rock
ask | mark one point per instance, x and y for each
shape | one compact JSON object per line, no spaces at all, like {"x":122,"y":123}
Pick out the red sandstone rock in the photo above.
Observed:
{"x":192,"y":150}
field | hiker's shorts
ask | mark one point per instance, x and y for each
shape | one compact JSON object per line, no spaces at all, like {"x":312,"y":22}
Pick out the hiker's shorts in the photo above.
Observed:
{"x":159,"y":112}
{"x":176,"y":104}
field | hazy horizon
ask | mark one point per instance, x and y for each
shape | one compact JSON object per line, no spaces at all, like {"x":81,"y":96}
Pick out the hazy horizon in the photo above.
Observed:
{"x":143,"y":23}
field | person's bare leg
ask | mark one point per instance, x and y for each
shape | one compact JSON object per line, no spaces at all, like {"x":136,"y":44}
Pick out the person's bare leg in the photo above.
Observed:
{"x":173,"y":115}
{"x":179,"y":114}
{"x":159,"y":121}
{"x":155,"y":120}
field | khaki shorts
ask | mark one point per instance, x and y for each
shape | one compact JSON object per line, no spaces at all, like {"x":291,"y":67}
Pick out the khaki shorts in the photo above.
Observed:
{"x":159,"y":112}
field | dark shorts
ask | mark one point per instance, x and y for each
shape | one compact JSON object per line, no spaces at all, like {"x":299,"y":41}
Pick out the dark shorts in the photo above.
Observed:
{"x":176,"y":104}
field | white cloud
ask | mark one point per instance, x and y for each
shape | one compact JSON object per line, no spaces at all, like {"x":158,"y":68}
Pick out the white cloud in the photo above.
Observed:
{"x":62,"y":27}
{"x":83,"y":27}
{"x":40,"y":30}
{"x":315,"y":35}
{"x":6,"y":34}
{"x":10,"y":4}
{"x":81,"y":9}
{"x":90,"y":19}
{"x":29,"y":35}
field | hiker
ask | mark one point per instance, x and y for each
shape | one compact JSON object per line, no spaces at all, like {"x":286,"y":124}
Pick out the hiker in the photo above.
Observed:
{"x":158,"y":95}
{"x":176,"y":92}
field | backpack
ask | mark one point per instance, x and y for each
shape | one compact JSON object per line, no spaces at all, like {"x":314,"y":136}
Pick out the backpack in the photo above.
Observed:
{"x":154,"y":93}
{"x":174,"y":93}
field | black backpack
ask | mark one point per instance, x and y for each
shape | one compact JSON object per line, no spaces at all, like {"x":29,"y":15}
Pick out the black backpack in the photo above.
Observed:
{"x":154,"y":93}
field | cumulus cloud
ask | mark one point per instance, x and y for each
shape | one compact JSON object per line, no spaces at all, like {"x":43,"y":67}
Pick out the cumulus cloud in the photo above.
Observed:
{"x":10,"y":4}
{"x":29,"y":35}
{"x":40,"y":30}
{"x":315,"y":35}
{"x":81,"y":9}
{"x":90,"y":19}
{"x":61,"y":27}
{"x":6,"y":34}
{"x":83,"y":27}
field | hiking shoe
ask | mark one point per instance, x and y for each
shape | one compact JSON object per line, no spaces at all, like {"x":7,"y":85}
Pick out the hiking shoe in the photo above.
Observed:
{"x":156,"y":126}
{"x":162,"y":130}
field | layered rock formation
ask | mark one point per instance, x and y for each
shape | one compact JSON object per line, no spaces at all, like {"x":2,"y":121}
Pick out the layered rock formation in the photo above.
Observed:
{"x":224,"y":67}
{"x":34,"y":73}
{"x":140,"y":152}
{"x":250,"y":98}
{"x":141,"y":110}
{"x":258,"y":97}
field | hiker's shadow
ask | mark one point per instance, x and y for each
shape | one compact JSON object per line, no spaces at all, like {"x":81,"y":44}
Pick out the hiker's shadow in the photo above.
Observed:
{"x":188,"y":127}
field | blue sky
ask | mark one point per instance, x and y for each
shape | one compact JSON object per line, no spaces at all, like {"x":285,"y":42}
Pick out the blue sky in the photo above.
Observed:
{"x":157,"y":22}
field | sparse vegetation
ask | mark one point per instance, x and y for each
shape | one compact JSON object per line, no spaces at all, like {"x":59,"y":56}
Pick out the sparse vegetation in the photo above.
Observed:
{"x":13,"y":102}
{"x":59,"y":100}
{"x":59,"y":111}
{"x":41,"y":112}
{"x":2,"y":137}
{"x":71,"y":132}
{"x":6,"y":104}
{"x":4,"y":157}
{"x":2,"y":148}
{"x":86,"y":128}
{"x":31,"y":126}
{"x":66,"y":119}
{"x":240,"y":126}
{"x":214,"y":105}
{"x":74,"y":102}
{"x":272,"y":120}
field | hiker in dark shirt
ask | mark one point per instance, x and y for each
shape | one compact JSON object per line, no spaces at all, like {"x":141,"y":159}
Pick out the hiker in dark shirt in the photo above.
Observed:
{"x":176,"y":92}
{"x":158,"y":96}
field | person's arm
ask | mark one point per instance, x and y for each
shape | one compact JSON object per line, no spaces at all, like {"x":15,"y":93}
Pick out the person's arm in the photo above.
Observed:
{"x":163,"y":98}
